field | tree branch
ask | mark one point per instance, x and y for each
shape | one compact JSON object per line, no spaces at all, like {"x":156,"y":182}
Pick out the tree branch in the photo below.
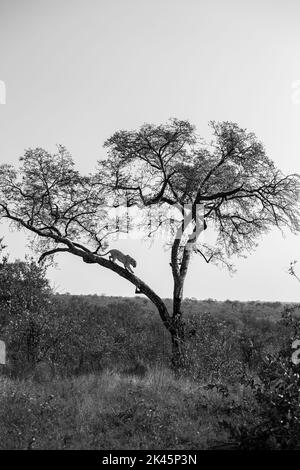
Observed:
{"x":52,"y":252}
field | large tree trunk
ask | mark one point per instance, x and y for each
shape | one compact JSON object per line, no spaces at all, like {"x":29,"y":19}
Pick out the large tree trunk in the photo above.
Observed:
{"x":177,"y":333}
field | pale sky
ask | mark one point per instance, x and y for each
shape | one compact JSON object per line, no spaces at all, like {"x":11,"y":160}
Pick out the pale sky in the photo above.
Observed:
{"x":76,"y":71}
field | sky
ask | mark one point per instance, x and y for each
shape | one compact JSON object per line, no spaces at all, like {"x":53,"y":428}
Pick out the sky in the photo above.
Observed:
{"x":76,"y":71}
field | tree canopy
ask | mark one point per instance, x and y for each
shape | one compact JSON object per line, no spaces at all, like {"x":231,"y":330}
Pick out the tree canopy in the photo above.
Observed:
{"x":243,"y":192}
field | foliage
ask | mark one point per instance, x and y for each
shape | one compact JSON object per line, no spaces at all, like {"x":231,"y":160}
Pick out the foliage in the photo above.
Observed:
{"x":243,"y":192}
{"x":113,"y":411}
{"x":25,"y":306}
{"x":278,"y":395}
{"x":88,"y":334}
{"x":130,"y":399}
{"x":213,"y":350}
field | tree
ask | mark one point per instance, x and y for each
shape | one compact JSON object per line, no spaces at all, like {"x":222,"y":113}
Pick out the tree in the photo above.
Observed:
{"x":155,"y":168}
{"x":24,"y":311}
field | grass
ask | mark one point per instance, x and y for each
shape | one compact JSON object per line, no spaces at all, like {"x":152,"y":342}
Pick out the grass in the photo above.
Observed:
{"x":117,"y":411}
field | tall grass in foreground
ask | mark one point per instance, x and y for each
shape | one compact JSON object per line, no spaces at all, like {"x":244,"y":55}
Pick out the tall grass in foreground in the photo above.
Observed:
{"x":117,"y":411}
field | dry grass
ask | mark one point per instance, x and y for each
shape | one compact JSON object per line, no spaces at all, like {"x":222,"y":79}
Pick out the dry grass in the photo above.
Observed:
{"x":114,"y":411}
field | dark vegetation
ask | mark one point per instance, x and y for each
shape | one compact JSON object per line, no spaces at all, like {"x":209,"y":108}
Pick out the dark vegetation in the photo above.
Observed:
{"x":94,"y":371}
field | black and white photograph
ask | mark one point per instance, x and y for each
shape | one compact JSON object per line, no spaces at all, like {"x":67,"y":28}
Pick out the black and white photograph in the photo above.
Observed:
{"x":149,"y":228}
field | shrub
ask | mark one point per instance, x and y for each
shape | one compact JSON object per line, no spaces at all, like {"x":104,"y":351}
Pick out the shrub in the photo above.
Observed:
{"x":278,"y":395}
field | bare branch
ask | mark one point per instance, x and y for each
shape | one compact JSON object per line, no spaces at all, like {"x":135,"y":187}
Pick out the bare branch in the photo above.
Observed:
{"x":52,"y":252}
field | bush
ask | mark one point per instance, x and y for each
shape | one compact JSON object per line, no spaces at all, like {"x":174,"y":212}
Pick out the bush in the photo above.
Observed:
{"x":278,"y":395}
{"x":24,"y":313}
